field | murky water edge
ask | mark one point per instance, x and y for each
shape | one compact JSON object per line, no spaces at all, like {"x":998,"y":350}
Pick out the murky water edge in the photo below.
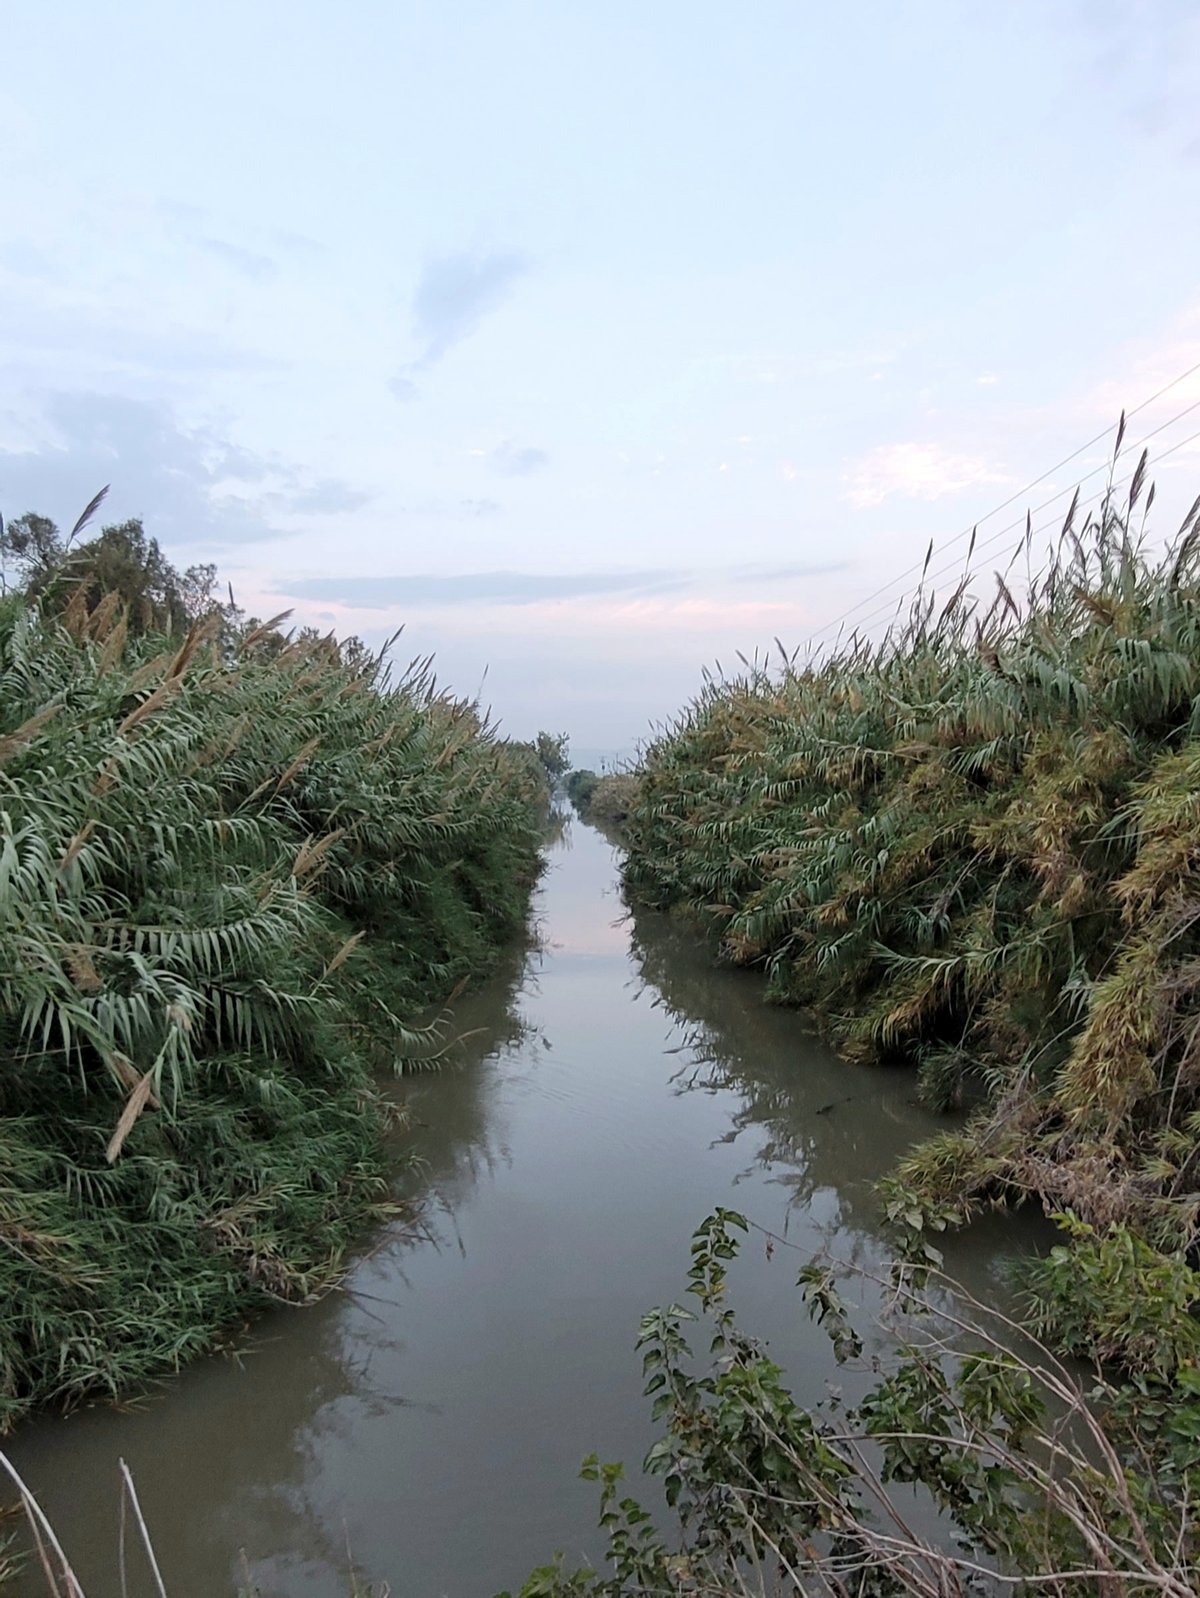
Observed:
{"x":431,"y":1419}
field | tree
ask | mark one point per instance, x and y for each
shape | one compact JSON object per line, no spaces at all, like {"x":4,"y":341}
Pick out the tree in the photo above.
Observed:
{"x":36,"y":548}
{"x":553,"y":752}
{"x":49,"y":567}
{"x":30,"y":546}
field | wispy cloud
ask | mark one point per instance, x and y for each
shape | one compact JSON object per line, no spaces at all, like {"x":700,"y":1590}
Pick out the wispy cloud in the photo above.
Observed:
{"x":23,"y":258}
{"x":297,"y":243}
{"x":516,"y":460}
{"x":329,"y":496}
{"x":915,"y":471}
{"x":480,"y":588}
{"x":192,"y":226}
{"x":53,"y":342}
{"x":191,"y":485}
{"x":246,"y":263}
{"x":455,"y":292}
{"x":1147,"y":365}
{"x":426,"y":589}
{"x":453,"y":295}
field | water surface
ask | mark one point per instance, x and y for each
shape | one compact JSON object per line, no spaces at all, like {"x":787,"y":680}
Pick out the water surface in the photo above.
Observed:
{"x":429,"y":1422}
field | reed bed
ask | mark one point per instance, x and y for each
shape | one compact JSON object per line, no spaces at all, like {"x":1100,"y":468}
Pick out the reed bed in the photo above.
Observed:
{"x":973,"y":847}
{"x":234,"y":867}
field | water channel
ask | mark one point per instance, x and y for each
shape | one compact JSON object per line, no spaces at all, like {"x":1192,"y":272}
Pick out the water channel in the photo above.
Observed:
{"x":431,"y":1419}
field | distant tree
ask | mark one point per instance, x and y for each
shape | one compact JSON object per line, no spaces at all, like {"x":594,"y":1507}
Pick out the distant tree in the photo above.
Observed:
{"x":554,"y":754}
{"x":121,"y":560}
{"x":38,"y":559}
{"x":48,"y":566}
{"x":198,"y":590}
{"x":30,"y":546}
{"x":581,"y":784}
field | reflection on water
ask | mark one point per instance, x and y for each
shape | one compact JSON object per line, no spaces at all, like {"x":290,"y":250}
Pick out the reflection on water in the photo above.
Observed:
{"x":614,"y":1088}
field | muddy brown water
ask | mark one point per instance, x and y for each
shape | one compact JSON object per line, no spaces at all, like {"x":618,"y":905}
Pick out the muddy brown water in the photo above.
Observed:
{"x":428,"y":1423}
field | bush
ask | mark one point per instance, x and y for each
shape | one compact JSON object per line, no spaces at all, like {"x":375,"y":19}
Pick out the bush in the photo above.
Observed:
{"x":605,"y":801}
{"x":1032,"y":1483}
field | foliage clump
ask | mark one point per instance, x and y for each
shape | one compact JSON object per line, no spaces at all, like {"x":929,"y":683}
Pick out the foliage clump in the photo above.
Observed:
{"x":603,"y":799}
{"x":234,"y":866}
{"x":974,"y":847}
{"x":962,"y":1467}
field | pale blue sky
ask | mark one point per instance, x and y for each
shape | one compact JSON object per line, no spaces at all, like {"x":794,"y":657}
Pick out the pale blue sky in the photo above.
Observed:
{"x":593,"y":341}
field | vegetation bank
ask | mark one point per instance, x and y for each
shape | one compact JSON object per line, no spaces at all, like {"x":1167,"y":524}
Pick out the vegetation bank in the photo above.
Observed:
{"x":235,"y":867}
{"x":975,"y":848}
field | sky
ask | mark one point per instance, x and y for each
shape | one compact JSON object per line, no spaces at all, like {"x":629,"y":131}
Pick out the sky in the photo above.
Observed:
{"x":593,"y":343}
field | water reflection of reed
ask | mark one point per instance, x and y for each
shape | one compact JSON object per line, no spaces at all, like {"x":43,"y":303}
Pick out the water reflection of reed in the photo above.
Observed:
{"x":245,"y":1449}
{"x":449,"y":1133}
{"x":823,"y":1129}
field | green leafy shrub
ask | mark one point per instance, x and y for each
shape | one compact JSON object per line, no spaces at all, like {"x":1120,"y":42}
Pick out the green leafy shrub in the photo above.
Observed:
{"x":605,"y":801}
{"x":1111,"y":1297}
{"x":1033,"y":1485}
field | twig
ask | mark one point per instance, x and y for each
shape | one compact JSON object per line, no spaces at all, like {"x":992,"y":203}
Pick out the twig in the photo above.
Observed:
{"x":149,"y":1546}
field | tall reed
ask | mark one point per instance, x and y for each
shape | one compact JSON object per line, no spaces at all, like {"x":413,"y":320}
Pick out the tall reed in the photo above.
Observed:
{"x":974,"y":846}
{"x":232,"y":872}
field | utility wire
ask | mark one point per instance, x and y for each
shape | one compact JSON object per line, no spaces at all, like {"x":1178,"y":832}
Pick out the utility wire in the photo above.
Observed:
{"x":1012,"y":499}
{"x":942,"y":571}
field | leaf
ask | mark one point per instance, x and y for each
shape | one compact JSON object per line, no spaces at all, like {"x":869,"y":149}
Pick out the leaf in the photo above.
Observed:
{"x":16,"y":740}
{"x":134,"y":1106}
{"x":88,"y":512}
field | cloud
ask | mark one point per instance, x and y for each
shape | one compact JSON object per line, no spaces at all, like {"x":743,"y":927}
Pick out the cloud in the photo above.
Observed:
{"x":247,"y":263}
{"x":48,"y":340}
{"x":425,"y":589}
{"x":1165,"y":360}
{"x":190,"y":485}
{"x":453,"y":295}
{"x":513,"y":460}
{"x":23,"y":258}
{"x":1145,"y":66}
{"x":915,"y":471}
{"x":297,"y":243}
{"x":475,"y":588}
{"x":189,"y":224}
{"x":329,"y":496}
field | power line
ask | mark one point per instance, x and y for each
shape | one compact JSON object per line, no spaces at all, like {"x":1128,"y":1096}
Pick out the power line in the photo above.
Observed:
{"x":994,"y":538}
{"x":1046,"y":526}
{"x":1010,"y":527}
{"x":1020,"y":494}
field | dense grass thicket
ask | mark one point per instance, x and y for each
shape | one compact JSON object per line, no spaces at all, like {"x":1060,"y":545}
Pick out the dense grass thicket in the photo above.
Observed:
{"x":233,"y":869}
{"x":975,"y":847}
